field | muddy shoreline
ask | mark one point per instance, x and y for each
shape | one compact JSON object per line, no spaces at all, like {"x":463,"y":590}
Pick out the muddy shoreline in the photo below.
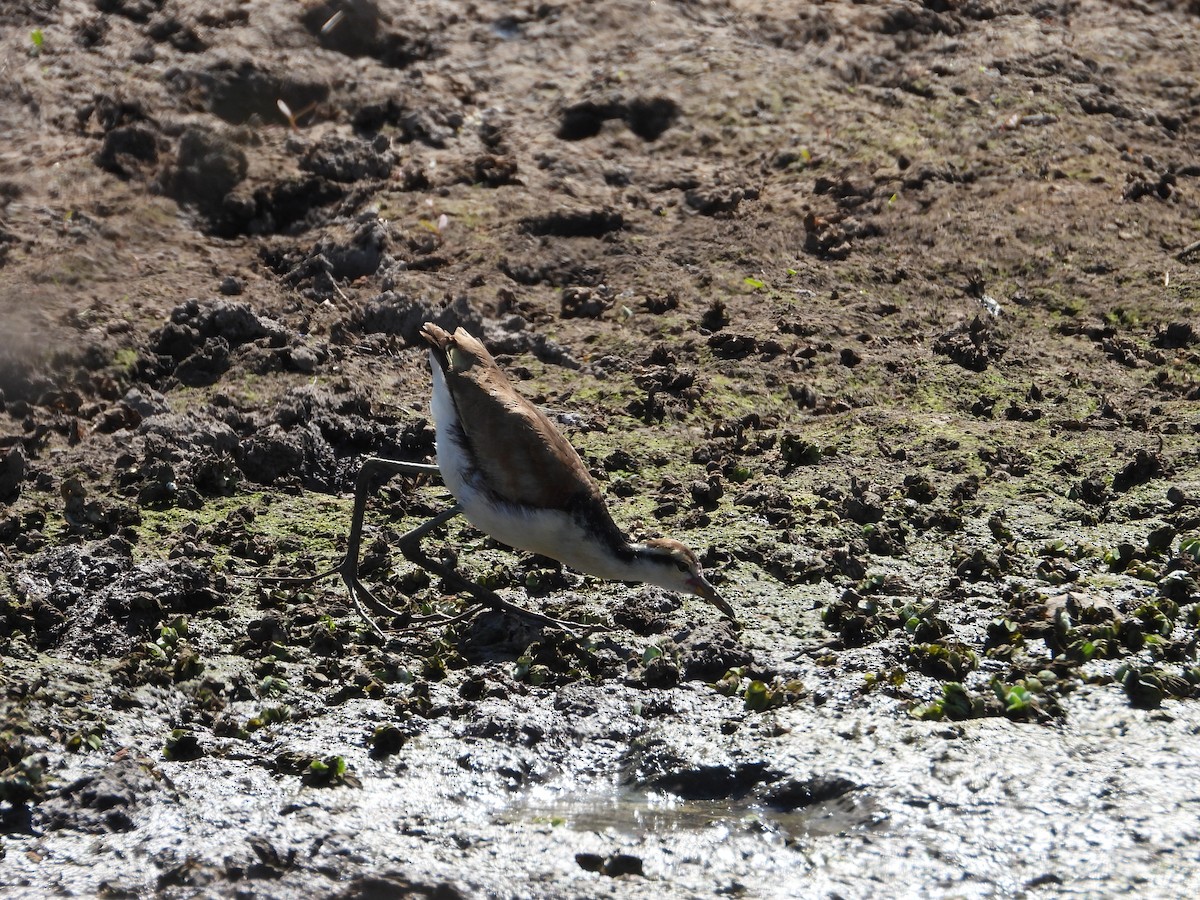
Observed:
{"x":891,"y":311}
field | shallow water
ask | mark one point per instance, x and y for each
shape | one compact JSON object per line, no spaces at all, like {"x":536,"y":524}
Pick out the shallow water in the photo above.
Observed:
{"x":984,"y":809}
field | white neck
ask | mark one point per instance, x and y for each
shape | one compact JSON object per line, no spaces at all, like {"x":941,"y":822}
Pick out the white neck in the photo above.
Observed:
{"x":650,"y":568}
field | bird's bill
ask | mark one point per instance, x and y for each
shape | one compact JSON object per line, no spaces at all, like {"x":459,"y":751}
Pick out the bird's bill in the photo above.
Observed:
{"x":705,"y":591}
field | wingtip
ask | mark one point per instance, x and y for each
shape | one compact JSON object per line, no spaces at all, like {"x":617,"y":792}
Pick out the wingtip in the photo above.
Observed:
{"x":436,"y":335}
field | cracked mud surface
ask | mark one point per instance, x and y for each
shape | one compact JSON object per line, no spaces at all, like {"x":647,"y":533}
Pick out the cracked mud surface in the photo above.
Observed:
{"x":890,"y":311}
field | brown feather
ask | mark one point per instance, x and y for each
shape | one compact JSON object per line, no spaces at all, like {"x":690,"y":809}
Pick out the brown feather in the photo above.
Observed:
{"x":525,"y":459}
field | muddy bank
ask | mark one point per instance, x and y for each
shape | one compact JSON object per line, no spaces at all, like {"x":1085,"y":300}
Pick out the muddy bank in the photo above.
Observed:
{"x":890,"y":311}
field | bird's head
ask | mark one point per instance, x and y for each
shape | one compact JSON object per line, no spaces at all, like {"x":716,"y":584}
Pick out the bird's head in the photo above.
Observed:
{"x":457,"y":353}
{"x":671,"y":565}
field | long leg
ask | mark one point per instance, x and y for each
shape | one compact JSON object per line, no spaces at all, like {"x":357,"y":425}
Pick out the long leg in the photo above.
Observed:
{"x":483,"y":597}
{"x":371,"y":467}
{"x":347,"y":567}
{"x":409,"y":544}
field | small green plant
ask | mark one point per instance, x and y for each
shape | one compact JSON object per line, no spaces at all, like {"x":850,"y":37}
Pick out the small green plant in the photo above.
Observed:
{"x":730,"y":682}
{"x":125,"y":359}
{"x":172,"y":649}
{"x":951,"y":660}
{"x":1146,"y":688}
{"x":37,"y":39}
{"x":270,"y":715}
{"x":758,"y":695}
{"x":797,"y":451}
{"x":169,"y":636}
{"x":1190,"y":546}
{"x":922,"y":622}
{"x":90,"y":737}
{"x":1056,"y":549}
{"x":956,"y":704}
{"x":530,"y":672}
{"x":328,"y":772}
{"x":272,"y":686}
{"x":333,"y":766}
{"x":1002,"y":633}
{"x":740,"y":474}
{"x":1018,"y":700}
{"x":893,"y":677}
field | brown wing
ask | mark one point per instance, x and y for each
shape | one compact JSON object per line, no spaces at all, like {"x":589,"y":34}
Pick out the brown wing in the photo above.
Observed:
{"x":521,"y":454}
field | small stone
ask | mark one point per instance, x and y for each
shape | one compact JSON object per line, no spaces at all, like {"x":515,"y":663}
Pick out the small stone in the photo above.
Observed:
{"x":590,"y":862}
{"x":304,"y":359}
{"x":146,"y":403}
{"x":231,"y":286}
{"x":622,"y":864}
{"x":12,"y":473}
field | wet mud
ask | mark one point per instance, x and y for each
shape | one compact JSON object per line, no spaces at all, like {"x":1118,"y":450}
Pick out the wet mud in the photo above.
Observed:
{"x":890,"y":311}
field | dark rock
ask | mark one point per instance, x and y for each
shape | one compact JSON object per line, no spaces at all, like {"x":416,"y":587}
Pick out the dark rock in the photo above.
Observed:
{"x":622,"y":864}
{"x":586,"y":118}
{"x":273,"y":452}
{"x":584,"y":302}
{"x":113,"y":604}
{"x":590,"y":862}
{"x":717,"y":782}
{"x":714,"y":200}
{"x":128,"y":150}
{"x":351,"y":27}
{"x":494,"y":170}
{"x":863,"y":506}
{"x":99,"y":803}
{"x":573,"y":223}
{"x":196,"y":345}
{"x":349,"y":159}
{"x":304,"y":359}
{"x":206,"y":365}
{"x":361,"y":29}
{"x":207,"y":168}
{"x":1177,"y":335}
{"x":647,"y":117}
{"x":394,"y":313}
{"x":1092,"y":491}
{"x":797,"y":793}
{"x":179,"y":34}
{"x":973,"y":345}
{"x":661,"y":672}
{"x":189,"y":431}
{"x":394,"y":886}
{"x":12,"y":473}
{"x":1145,"y":466}
{"x":358,"y":255}
{"x":919,"y":488}
{"x":727,"y":345}
{"x":238,"y":90}
{"x":850,"y":357}
{"x":706,"y":652}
